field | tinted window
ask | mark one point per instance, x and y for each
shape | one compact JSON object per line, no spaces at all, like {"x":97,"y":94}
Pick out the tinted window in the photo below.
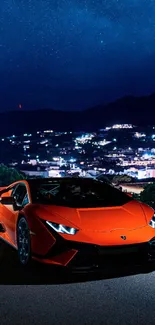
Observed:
{"x":26,"y":200}
{"x":78,"y":193}
{"x":19,"y":193}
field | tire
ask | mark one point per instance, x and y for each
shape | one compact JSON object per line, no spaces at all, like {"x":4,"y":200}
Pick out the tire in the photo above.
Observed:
{"x":23,"y":242}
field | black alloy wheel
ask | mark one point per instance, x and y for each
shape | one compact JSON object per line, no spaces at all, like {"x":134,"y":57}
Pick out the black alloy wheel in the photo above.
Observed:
{"x":23,"y":242}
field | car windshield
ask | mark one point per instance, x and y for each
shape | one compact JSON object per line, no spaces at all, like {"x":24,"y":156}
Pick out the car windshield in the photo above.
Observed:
{"x":77,"y":193}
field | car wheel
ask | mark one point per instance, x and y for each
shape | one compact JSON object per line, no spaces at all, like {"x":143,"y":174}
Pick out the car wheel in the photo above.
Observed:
{"x":23,"y":242}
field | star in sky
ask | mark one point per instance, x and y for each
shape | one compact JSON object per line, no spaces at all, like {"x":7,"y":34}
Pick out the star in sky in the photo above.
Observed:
{"x":73,"y":54}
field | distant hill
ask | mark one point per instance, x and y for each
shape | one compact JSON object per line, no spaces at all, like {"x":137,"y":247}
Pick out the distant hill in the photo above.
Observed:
{"x":136,"y":110}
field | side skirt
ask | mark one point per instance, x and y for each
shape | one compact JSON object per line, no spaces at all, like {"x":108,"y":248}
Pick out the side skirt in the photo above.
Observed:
{"x":4,"y":240}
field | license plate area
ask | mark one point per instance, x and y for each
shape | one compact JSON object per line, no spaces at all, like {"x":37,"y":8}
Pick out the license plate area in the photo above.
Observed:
{"x":117,"y":251}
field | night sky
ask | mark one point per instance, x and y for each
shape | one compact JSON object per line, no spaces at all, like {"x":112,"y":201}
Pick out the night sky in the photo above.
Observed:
{"x":74,"y":54}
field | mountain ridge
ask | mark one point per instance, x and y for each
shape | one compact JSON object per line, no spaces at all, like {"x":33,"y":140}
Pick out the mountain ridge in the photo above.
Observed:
{"x":129,"y":109}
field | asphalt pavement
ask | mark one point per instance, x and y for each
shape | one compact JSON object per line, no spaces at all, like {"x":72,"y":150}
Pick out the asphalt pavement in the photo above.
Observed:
{"x":41,"y":295}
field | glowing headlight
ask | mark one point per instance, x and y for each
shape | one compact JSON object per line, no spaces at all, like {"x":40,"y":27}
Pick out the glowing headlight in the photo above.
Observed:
{"x":152,"y":222}
{"x":61,"y":228}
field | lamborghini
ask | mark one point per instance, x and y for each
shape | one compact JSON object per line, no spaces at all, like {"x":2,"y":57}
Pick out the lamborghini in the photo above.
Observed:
{"x":75,"y":223}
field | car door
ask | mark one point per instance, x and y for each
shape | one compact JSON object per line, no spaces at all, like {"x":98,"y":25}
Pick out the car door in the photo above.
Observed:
{"x":9,"y":213}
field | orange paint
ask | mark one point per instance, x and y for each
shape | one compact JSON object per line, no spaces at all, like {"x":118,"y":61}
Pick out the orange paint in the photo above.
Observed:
{"x":98,"y":226}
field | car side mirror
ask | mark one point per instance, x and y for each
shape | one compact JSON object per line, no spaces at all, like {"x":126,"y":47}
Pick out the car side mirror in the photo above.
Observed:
{"x":7,"y":200}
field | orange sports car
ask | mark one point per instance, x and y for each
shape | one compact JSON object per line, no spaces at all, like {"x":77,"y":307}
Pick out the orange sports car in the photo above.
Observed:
{"x":76,"y":223}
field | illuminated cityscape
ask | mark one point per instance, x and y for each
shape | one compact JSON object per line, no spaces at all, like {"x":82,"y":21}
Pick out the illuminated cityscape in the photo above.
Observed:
{"x":115,"y":150}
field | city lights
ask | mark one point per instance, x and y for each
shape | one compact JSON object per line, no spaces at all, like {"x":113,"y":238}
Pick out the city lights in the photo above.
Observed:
{"x":84,"y":153}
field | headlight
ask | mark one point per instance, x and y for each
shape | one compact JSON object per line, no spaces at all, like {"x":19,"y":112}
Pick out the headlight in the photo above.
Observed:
{"x":61,"y":228}
{"x":152,"y":222}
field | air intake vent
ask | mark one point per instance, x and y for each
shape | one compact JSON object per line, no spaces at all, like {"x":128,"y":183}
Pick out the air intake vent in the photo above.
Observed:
{"x":2,"y":228}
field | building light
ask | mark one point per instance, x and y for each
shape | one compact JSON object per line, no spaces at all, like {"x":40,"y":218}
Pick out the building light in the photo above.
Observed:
{"x":122,"y":126}
{"x":139,"y":135}
{"x":26,"y":146}
{"x":43,"y":142}
{"x":107,"y":128}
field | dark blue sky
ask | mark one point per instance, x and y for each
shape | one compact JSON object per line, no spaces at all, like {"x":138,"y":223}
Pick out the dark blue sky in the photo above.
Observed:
{"x":74,"y":54}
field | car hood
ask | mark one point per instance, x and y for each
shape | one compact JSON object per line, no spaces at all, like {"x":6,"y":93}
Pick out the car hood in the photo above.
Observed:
{"x":129,"y":216}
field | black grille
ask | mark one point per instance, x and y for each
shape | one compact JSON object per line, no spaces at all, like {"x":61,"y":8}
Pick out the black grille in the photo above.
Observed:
{"x":89,"y":255}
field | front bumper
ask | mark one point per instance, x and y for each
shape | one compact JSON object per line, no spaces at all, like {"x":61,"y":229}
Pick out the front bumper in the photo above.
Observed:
{"x":75,"y":255}
{"x":94,"y":256}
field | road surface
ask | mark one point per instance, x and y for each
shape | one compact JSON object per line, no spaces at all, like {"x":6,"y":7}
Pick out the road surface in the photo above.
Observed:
{"x":40,"y":296}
